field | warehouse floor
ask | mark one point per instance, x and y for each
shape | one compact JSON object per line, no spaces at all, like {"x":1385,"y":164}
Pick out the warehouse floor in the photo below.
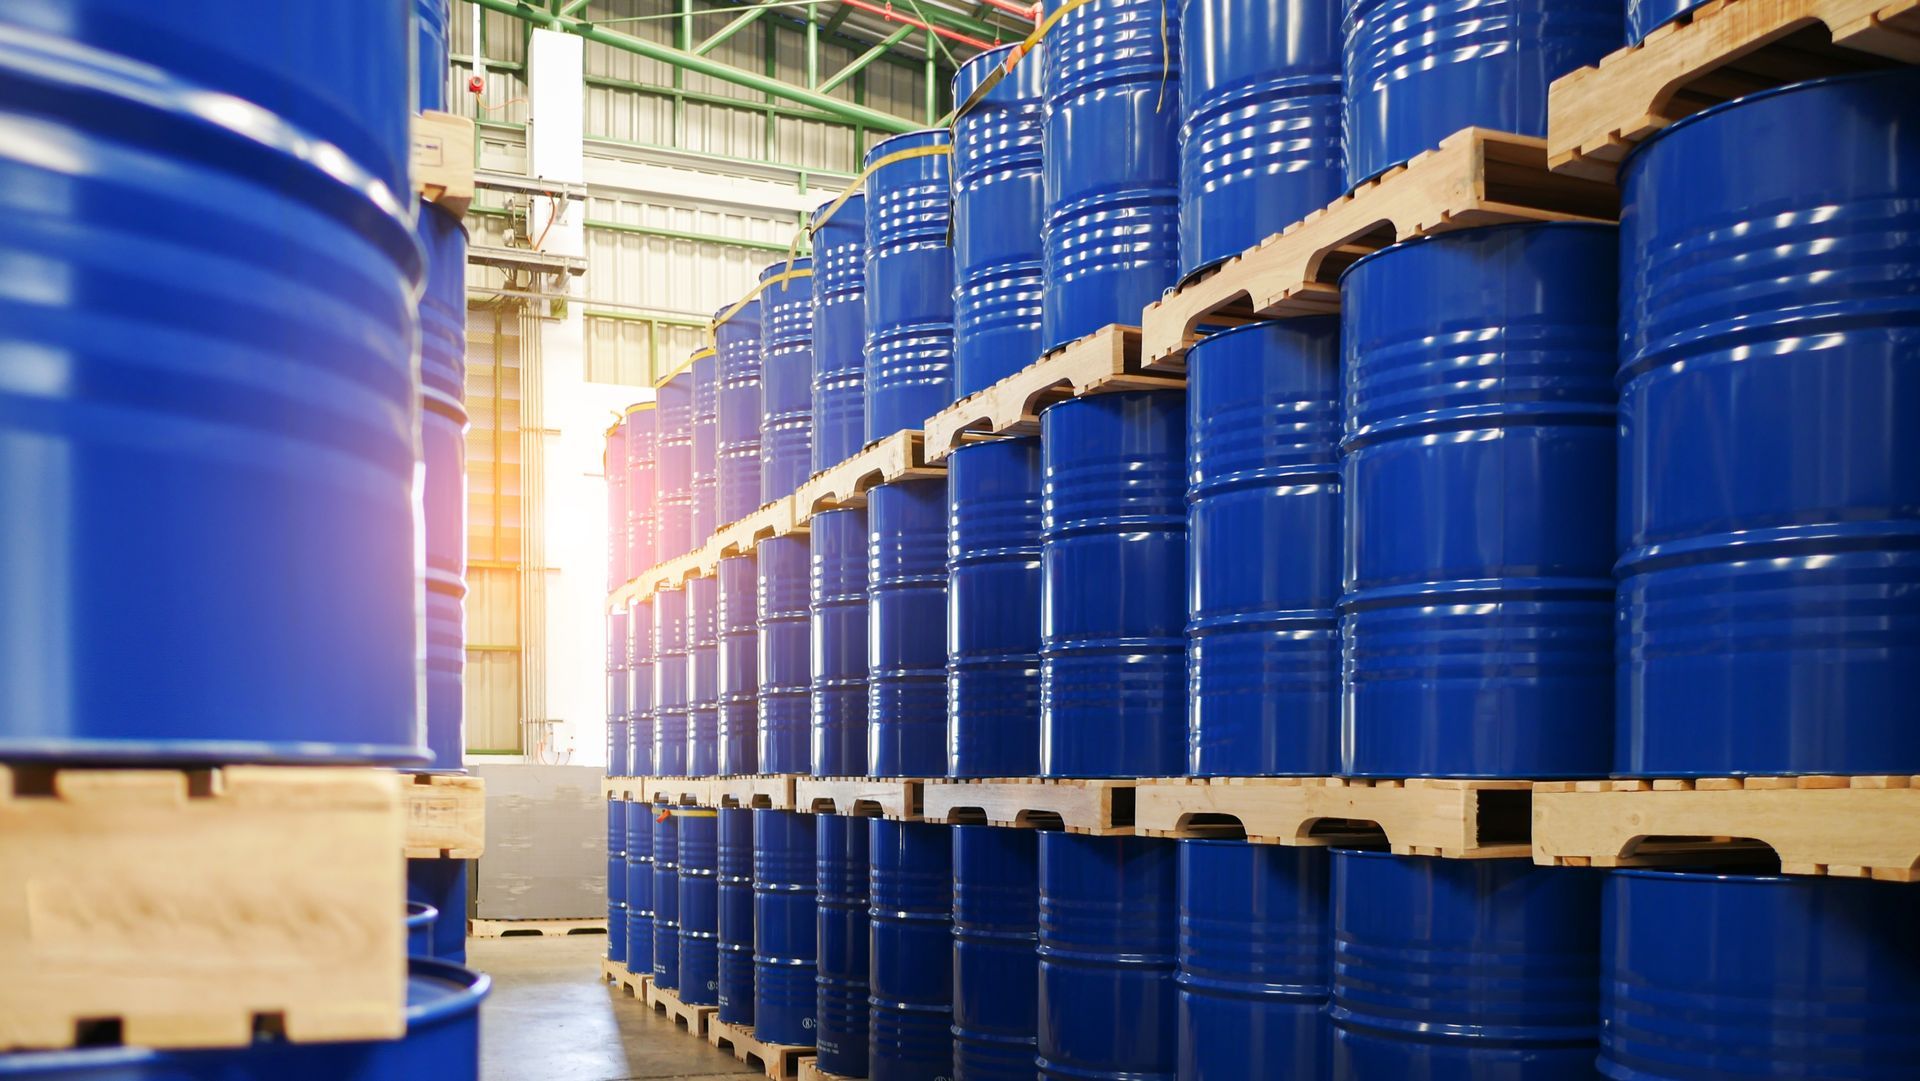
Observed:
{"x":551,"y":1018}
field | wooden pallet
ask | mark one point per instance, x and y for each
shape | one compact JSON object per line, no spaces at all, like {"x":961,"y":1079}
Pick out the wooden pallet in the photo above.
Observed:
{"x":170,"y":907}
{"x":1103,"y":808}
{"x":773,"y":792}
{"x":1717,"y":52}
{"x":1105,"y":361}
{"x":780,"y":1062}
{"x":446,"y":816}
{"x":1460,"y":819}
{"x":900,"y":456}
{"x":676,"y":791}
{"x":739,"y":538}
{"x":695,"y":1018}
{"x":810,"y":1072}
{"x":627,"y":788}
{"x":702,"y":562}
{"x":1853,"y":827}
{"x":520,"y":928}
{"x":633,"y":983}
{"x":443,"y":160}
{"x":863,"y":797}
{"x":1474,"y":178}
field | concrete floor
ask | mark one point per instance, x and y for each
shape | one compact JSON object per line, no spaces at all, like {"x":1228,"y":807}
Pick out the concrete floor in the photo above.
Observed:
{"x":551,"y":1018}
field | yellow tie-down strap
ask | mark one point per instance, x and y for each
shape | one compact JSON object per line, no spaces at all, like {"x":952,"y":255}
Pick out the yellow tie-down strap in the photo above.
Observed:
{"x":859,"y":182}
{"x":684,"y":812}
{"x":703,"y":351}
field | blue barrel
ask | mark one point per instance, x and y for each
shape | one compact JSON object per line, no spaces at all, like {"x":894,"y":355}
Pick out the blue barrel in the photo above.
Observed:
{"x":786,"y":378}
{"x":443,"y":884}
{"x":1479,"y":460}
{"x":420,"y":920}
{"x":1263,"y":458}
{"x":1112,"y":135}
{"x":910,"y":986}
{"x":739,"y":736}
{"x":613,"y":465}
{"x":737,"y":412}
{"x":617,"y":881}
{"x":1260,"y":143}
{"x":1113,"y":671}
{"x":784,"y":666}
{"x":703,"y":677}
{"x":430,"y":54}
{"x":619,"y":690}
{"x":837,"y":596}
{"x":1416,"y":72}
{"x":640,"y":688}
{"x":706,"y":449}
{"x":845,"y":956}
{"x":783,"y":927}
{"x":699,"y":907}
{"x":909,"y":283}
{"x":907,"y":629}
{"x":1107,"y":958}
{"x":673,"y":468}
{"x":1646,"y":16}
{"x":670,"y":665}
{"x":839,"y":332}
{"x":639,"y":530}
{"x":1711,"y":977}
{"x":996,"y":917}
{"x":1768,"y":613}
{"x":735,"y":881}
{"x":998,"y":275}
{"x":639,"y":887}
{"x":666,"y":898}
{"x":443,"y":486}
{"x":442,"y":1043}
{"x":209,"y":412}
{"x":1255,"y":971}
{"x":993,"y":590}
{"x":1463,"y":969}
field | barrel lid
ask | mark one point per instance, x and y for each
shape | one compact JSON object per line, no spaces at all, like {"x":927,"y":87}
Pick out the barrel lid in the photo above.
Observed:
{"x":1477,"y":230}
{"x":438,"y":989}
{"x":780,"y":266}
{"x":907,"y":140}
{"x":1292,"y":322}
{"x":1893,"y":74}
{"x":419,"y":914}
{"x":847,"y":206}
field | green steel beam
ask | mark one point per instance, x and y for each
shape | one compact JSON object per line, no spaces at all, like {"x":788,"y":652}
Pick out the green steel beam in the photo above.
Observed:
{"x":813,"y":47}
{"x":700,"y":98}
{"x":572,"y":7}
{"x":734,"y":26}
{"x":635,"y":317}
{"x":859,"y":64}
{"x":839,"y":16}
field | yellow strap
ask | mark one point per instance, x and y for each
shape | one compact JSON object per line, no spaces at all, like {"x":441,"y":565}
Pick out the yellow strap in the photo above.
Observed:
{"x":703,"y":351}
{"x":686,"y":812}
{"x":638,"y":407}
{"x":859,"y":182}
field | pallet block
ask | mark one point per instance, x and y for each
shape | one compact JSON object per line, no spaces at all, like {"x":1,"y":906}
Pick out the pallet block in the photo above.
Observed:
{"x":1717,"y":52}
{"x":862,"y":797}
{"x":1106,"y":361}
{"x":196,"y":908}
{"x":676,"y":791}
{"x":739,"y":538}
{"x":900,"y":456}
{"x":1852,"y":827}
{"x":633,"y":983}
{"x":773,"y":792}
{"x":780,"y":1062}
{"x":443,"y":160}
{"x":702,"y":562}
{"x":810,"y":1072}
{"x":1475,"y":177}
{"x":695,"y":1018}
{"x":1460,"y":819}
{"x":446,"y":816}
{"x":529,"y":928}
{"x":1103,"y":808}
{"x":1268,"y":810}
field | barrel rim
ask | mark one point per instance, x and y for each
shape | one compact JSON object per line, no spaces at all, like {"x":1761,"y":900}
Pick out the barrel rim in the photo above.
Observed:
{"x":1265,"y":323}
{"x":1734,"y":877}
{"x":971,"y":72}
{"x":420,"y":913}
{"x":1474,"y":231}
{"x":814,"y":224}
{"x":781,"y":266}
{"x":935,"y":136}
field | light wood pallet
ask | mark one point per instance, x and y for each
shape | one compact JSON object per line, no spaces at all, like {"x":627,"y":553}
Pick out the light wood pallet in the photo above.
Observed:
{"x":627,"y":788}
{"x":446,"y":816}
{"x":443,"y":160}
{"x":1103,"y":808}
{"x":780,"y":1062}
{"x":1106,"y":361}
{"x":772,"y":520}
{"x":774,"y":792}
{"x":1853,"y":827}
{"x":702,"y":562}
{"x":900,"y":456}
{"x":520,"y":928}
{"x":1717,"y":52}
{"x":810,"y":1072}
{"x":1460,"y":819}
{"x":695,"y":1018}
{"x":633,"y":983}
{"x":1474,"y":178}
{"x":677,"y":791}
{"x":167,"y":907}
{"x":862,"y":797}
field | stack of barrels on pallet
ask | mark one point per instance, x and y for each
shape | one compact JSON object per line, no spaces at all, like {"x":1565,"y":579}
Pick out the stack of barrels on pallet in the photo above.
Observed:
{"x":1543,"y":500}
{"x":232,"y":384}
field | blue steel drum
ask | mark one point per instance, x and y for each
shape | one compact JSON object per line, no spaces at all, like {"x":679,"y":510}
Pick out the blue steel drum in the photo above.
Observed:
{"x":442,"y":1043}
{"x":619,"y":691}
{"x":703,"y":677}
{"x":910,"y":913}
{"x":1107,"y":953}
{"x":1111,"y":141}
{"x":617,"y":881}
{"x":735,"y":881}
{"x":784,"y":666}
{"x":443,"y":884}
{"x":998,"y":276}
{"x":907,"y":629}
{"x":845,"y":954}
{"x":443,"y":485}
{"x":670,"y":665}
{"x":1768,"y":615}
{"x":209,"y":411}
{"x":666,"y":899}
{"x":837,"y":594}
{"x":613,"y":465}
{"x":1260,"y":136}
{"x":839,"y":332}
{"x":1646,"y":16}
{"x":640,"y":688}
{"x":673,"y":468}
{"x":699,"y":907}
{"x":783,"y":927}
{"x":1416,"y":72}
{"x":1478,"y":462}
{"x":706,"y":463}
{"x":420,"y":920}
{"x":909,"y":283}
{"x":786,"y":378}
{"x":639,"y":874}
{"x":737,"y":412}
{"x":1460,"y":970}
{"x":739,"y":735}
{"x":1113,"y":673}
{"x":1712,"y":977}
{"x":996,"y":914}
{"x":993,"y":614}
{"x":1263,"y":641}
{"x":430,"y":54}
{"x":1255,"y":971}
{"x":638,"y":531}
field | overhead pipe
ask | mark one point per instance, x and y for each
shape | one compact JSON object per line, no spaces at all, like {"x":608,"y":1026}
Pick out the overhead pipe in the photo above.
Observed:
{"x":1030,"y":12}
{"x":891,"y":15}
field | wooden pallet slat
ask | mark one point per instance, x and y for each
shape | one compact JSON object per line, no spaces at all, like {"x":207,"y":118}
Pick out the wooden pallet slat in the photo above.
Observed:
{"x":1461,"y":819}
{"x":1268,"y":810}
{"x":811,"y":1072}
{"x":1104,"y":808}
{"x":900,"y":456}
{"x":780,"y":1062}
{"x":865,"y":797}
{"x":774,"y":792}
{"x":664,"y":1000}
{"x":739,"y":538}
{"x":535,"y":927}
{"x":446,"y":816}
{"x":443,"y":160}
